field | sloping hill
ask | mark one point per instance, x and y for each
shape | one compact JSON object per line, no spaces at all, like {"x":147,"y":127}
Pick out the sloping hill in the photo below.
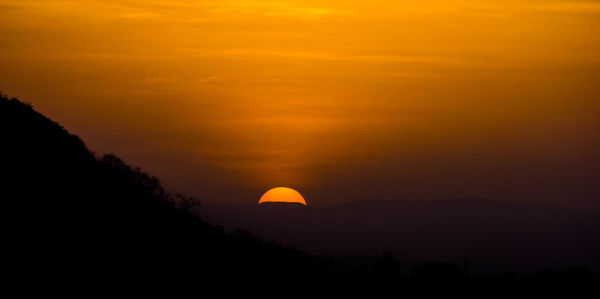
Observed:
{"x":67,"y":209}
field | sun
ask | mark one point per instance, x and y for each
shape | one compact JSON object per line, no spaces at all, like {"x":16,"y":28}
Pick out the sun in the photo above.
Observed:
{"x":282,"y":194}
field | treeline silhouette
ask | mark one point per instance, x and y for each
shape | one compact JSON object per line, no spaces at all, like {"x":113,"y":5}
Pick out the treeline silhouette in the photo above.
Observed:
{"x":71,"y":210}
{"x":74,"y":216}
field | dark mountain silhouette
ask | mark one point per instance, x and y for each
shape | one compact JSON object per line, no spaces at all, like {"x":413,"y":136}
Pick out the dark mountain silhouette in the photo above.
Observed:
{"x":96,"y":218}
{"x":494,"y":236}
{"x":281,"y":205}
{"x":76,"y":220}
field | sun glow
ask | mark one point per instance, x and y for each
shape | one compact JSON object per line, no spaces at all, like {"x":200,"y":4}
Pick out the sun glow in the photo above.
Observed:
{"x":439,"y":98}
{"x":282,"y":194}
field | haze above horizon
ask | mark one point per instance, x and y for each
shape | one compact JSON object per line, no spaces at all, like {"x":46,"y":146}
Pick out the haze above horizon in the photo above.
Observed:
{"x":344,"y":100}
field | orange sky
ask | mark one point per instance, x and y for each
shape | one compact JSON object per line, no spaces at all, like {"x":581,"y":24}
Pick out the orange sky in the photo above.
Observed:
{"x":340,"y":100}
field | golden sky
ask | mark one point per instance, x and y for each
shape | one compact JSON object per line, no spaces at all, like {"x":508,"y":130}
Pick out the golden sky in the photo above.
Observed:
{"x":341,"y":100}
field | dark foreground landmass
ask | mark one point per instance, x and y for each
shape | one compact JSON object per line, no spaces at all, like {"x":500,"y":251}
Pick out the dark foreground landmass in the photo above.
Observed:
{"x":74,"y":220}
{"x":483,"y":236}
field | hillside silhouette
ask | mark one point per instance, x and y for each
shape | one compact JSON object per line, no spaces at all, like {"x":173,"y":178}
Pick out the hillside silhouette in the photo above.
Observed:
{"x":84,"y":219}
{"x":99,"y":217}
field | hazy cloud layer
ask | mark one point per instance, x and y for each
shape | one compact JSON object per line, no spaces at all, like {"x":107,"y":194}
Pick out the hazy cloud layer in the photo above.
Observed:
{"x":340,"y":99}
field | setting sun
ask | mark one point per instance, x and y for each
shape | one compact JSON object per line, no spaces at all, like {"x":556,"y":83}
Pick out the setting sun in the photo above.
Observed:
{"x":282,"y":194}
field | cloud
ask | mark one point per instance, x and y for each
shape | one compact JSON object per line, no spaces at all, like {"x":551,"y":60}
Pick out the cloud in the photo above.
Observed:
{"x":570,"y":6}
{"x":254,"y":53}
{"x":138,"y":15}
{"x":161,"y":79}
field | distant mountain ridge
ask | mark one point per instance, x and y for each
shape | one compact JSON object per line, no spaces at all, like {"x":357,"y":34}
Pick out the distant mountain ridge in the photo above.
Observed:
{"x":281,"y":205}
{"x":494,"y":234}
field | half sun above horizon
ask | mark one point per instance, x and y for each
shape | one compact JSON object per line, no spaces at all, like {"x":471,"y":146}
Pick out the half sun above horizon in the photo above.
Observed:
{"x":282,"y":195}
